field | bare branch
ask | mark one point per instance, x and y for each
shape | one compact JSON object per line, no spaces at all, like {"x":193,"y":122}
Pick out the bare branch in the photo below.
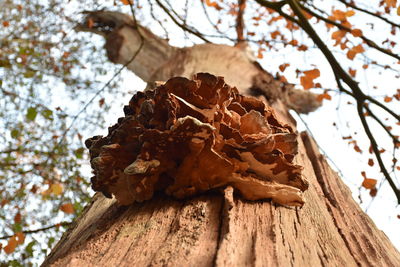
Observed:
{"x":39,"y":230}
{"x":240,"y":21}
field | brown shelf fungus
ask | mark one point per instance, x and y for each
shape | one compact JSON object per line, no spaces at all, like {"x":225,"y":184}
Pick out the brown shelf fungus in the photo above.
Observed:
{"x":189,"y":136}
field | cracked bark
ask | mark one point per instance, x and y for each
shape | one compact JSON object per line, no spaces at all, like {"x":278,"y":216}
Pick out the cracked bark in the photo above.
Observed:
{"x":221,"y":229}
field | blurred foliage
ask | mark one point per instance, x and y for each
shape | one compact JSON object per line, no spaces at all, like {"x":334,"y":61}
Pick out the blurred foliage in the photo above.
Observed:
{"x":49,"y":73}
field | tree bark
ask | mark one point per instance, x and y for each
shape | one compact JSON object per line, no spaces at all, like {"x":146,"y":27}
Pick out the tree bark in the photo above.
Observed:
{"x":219,"y":228}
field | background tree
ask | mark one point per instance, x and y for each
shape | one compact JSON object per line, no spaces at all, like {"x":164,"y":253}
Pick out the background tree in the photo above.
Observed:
{"x":53,"y":170}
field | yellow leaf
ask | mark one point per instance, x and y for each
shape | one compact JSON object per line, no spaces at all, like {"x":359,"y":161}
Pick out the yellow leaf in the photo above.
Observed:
{"x":398,"y":11}
{"x":56,"y":189}
{"x":67,"y":208}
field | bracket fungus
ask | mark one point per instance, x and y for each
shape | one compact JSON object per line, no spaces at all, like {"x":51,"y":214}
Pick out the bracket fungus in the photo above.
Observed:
{"x":190,"y":136}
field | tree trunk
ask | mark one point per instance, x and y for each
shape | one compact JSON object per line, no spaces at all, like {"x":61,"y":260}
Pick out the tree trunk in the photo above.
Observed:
{"x":221,"y":228}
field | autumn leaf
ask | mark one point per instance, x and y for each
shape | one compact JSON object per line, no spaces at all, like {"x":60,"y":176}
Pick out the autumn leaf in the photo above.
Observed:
{"x":17,"y":218}
{"x":323,"y":96}
{"x":369,"y":183}
{"x":398,"y":11}
{"x":387,"y":99}
{"x":127,"y":2}
{"x":282,"y":67}
{"x":354,"y":51}
{"x":90,"y":23}
{"x":213,"y":4}
{"x":21,"y":238}
{"x":307,"y":80}
{"x":338,"y":35}
{"x":11,"y":245}
{"x":56,"y":189}
{"x":67,"y":208}
{"x":315,"y":73}
{"x":371,"y":162}
{"x":356,"y":32}
{"x":6,"y":23}
{"x":391,"y":3}
{"x":352,"y":72}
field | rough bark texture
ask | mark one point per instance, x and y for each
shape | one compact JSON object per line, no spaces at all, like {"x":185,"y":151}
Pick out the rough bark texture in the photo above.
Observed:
{"x":212,"y":230}
{"x":221,"y":229}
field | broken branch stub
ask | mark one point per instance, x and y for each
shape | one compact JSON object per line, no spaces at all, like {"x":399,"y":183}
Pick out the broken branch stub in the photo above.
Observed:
{"x":189,"y":136}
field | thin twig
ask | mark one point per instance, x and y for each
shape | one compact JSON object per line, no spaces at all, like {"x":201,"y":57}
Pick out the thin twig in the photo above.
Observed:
{"x":39,"y":229}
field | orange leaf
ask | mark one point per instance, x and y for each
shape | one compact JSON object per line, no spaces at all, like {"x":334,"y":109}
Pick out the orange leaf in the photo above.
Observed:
{"x":391,"y":3}
{"x":369,"y":183}
{"x":306,"y":82}
{"x":213,"y":4}
{"x":357,"y":149}
{"x":354,"y":51}
{"x":339,"y":15}
{"x":350,"y":13}
{"x":373,"y":192}
{"x":338,"y":35}
{"x":356,"y":32}
{"x":21,"y":237}
{"x":282,"y":67}
{"x":312,"y":73}
{"x":371,"y":162}
{"x":302,"y":48}
{"x":323,"y":96}
{"x":90,"y":23}
{"x":127,"y":2}
{"x":6,"y":23}
{"x":17,"y":218}
{"x":352,"y":72}
{"x":67,"y":208}
{"x":387,"y":99}
{"x":11,"y":245}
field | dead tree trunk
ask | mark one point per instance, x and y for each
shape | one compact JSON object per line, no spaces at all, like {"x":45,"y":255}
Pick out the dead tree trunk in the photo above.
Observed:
{"x":215,"y":229}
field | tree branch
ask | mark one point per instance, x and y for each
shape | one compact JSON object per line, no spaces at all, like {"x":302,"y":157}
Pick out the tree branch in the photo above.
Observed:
{"x":240,"y":21}
{"x":341,"y":74}
{"x":368,"y":41}
{"x":352,"y":5}
{"x":39,"y":230}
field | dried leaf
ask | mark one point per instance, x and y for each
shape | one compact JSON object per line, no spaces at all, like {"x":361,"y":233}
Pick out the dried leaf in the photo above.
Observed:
{"x":11,"y":245}
{"x":371,"y":162}
{"x":352,"y":72}
{"x":282,"y":67}
{"x":127,"y":2}
{"x":17,"y":218}
{"x":369,"y":183}
{"x":67,"y":208}
{"x":356,"y":32}
{"x":388,"y":99}
{"x":6,"y":23}
{"x":20,"y":238}
{"x":56,"y":189}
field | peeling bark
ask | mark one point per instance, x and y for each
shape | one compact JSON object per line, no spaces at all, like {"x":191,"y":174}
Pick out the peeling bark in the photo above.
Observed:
{"x":225,"y":230}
